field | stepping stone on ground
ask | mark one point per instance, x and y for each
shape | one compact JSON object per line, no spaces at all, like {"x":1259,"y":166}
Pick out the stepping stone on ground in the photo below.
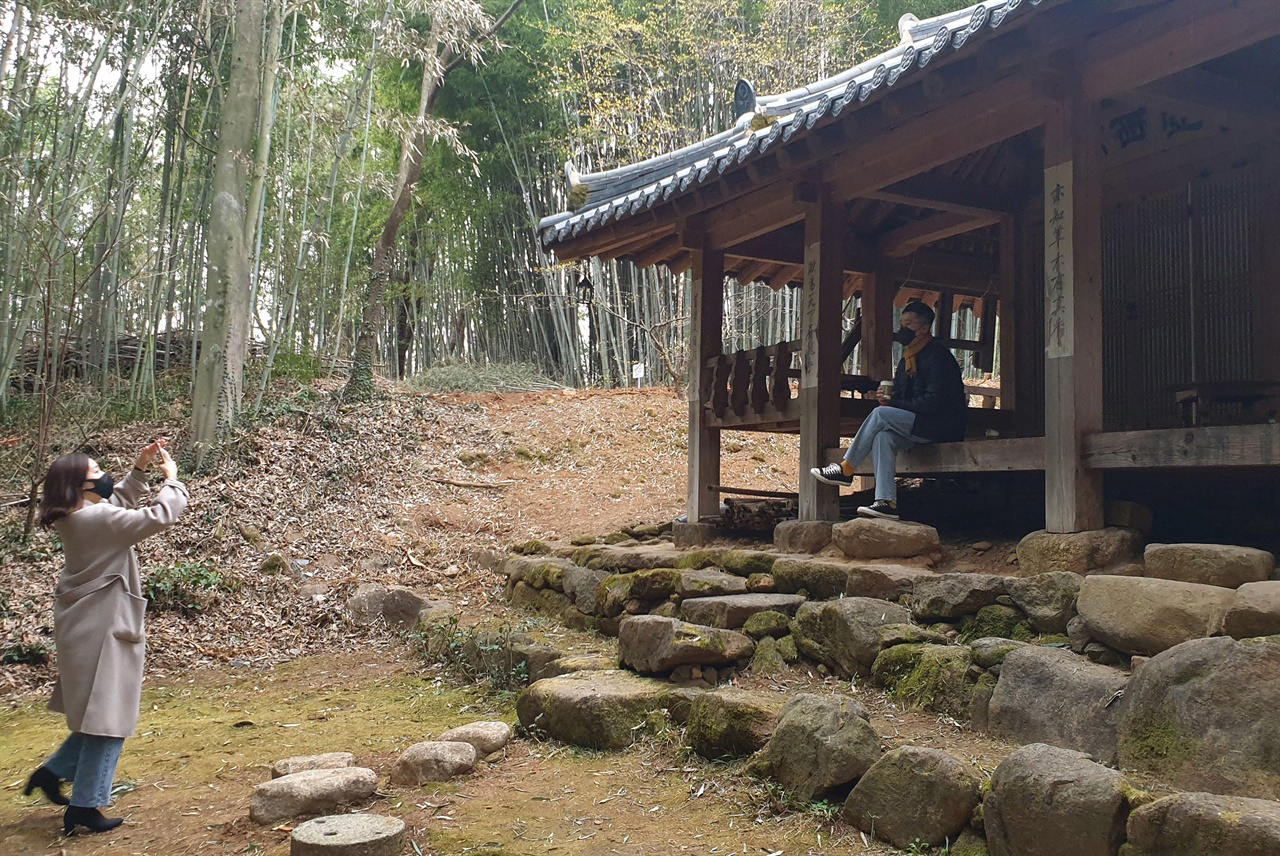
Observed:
{"x":486,"y":737}
{"x":732,"y":611}
{"x":596,"y":710}
{"x":327,"y":761}
{"x":310,"y":792}
{"x":433,"y":761}
{"x":865,"y":538}
{"x":348,"y":835}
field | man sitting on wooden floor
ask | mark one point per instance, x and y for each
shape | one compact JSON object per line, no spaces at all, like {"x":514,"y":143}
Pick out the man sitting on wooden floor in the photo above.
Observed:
{"x":928,"y":405}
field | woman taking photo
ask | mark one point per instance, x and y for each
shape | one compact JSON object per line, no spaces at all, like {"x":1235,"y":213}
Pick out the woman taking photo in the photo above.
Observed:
{"x":98,"y":620}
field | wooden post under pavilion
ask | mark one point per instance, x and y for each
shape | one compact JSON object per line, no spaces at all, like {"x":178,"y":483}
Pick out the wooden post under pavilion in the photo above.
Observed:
{"x":706,"y":342}
{"x":820,"y":305}
{"x":1073,"y":313}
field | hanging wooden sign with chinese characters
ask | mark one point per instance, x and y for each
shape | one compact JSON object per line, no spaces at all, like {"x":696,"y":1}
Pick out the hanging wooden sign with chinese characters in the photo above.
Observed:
{"x":1059,"y":268}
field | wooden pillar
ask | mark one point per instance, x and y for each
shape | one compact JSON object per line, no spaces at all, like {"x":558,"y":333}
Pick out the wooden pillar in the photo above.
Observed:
{"x":877,"y":326}
{"x":1008,"y":279}
{"x":706,"y":342}
{"x":1073,"y":313}
{"x":820,"y":307}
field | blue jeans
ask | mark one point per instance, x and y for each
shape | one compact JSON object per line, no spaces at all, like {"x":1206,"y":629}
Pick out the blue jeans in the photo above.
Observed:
{"x":89,"y":761}
{"x":885,"y":433}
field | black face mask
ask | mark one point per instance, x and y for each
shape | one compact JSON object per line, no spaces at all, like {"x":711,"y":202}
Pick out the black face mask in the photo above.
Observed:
{"x":903,"y":336}
{"x":103,"y":485}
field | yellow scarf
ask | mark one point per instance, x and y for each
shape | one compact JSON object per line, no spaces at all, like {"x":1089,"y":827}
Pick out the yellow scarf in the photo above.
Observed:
{"x":909,"y":353}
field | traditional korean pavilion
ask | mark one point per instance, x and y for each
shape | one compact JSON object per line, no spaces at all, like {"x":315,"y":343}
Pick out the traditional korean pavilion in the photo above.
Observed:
{"x":1097,"y":180}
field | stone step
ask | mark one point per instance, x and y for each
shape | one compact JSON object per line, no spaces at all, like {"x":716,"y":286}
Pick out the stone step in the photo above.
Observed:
{"x":732,"y":611}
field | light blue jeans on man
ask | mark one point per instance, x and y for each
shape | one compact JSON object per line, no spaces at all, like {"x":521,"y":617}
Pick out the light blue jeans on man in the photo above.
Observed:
{"x":89,"y":761}
{"x":885,"y":433}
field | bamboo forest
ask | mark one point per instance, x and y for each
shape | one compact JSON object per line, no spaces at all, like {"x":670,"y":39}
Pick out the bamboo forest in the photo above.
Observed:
{"x":201,"y":193}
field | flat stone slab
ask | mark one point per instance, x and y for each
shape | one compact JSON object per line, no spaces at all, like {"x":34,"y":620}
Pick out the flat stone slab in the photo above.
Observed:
{"x":348,"y":835}
{"x":310,"y":792}
{"x":653,"y":645}
{"x":732,"y":611}
{"x":486,"y":737}
{"x":1208,"y":564}
{"x":1137,"y":615}
{"x":709,"y":583}
{"x":327,"y":761}
{"x":596,"y":710}
{"x":1078,"y":552}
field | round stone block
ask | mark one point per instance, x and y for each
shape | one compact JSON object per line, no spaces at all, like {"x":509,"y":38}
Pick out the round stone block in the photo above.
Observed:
{"x":349,"y":835}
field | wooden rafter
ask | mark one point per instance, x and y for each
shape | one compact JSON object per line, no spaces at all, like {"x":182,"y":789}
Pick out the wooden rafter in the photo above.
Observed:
{"x":1175,"y":36}
{"x":945,"y":193}
{"x":906,"y":239}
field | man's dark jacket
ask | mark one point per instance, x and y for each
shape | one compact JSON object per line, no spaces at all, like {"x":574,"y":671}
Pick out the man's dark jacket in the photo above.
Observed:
{"x":935,"y":395}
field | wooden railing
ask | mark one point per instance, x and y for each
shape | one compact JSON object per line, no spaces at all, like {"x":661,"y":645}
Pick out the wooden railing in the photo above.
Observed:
{"x":750,"y":387}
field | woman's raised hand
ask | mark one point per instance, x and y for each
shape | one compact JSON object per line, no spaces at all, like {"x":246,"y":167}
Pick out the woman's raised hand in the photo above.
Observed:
{"x":167,"y":464}
{"x":149,"y":454}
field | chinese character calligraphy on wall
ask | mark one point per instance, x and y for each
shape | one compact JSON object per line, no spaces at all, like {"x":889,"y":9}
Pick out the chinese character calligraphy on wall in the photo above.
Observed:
{"x":1058,"y":262}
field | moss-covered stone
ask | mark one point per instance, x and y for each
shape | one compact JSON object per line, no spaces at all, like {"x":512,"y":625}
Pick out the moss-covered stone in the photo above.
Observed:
{"x":1157,"y":743}
{"x":585,"y":555}
{"x":939,"y":681}
{"x":744,"y":563}
{"x":732,"y":722}
{"x":767,"y":623}
{"x":698,"y":559}
{"x":761,"y":583}
{"x":895,"y":663}
{"x":616,"y":538}
{"x":969,"y":843}
{"x":648,"y":530}
{"x":787,"y":648}
{"x":767,"y":659}
{"x":546,"y":576}
{"x":583,"y":540}
{"x":530,"y":548}
{"x":997,"y":620}
{"x":908,"y":634}
{"x":615,"y":591}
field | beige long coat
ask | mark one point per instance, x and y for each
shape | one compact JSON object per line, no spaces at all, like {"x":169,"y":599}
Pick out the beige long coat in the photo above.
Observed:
{"x":98,"y":610}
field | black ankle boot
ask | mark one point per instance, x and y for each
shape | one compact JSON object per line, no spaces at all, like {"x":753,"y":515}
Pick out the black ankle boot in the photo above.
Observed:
{"x":44,"y":779}
{"x":90,"y":818}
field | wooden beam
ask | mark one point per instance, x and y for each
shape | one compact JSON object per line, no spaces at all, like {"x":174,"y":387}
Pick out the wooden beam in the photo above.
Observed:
{"x":819,"y":401}
{"x":947,"y":193}
{"x":1073,"y":313}
{"x":664,"y":249}
{"x":1019,"y":455}
{"x":928,"y":266}
{"x":1215,"y":446}
{"x":705,"y":343}
{"x":1172,"y":37}
{"x":1214,"y":98}
{"x":877,"y":326}
{"x":785,"y":246}
{"x":905,"y":240}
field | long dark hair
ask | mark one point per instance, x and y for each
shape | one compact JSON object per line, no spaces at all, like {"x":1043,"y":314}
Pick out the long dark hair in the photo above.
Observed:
{"x":63,"y":487}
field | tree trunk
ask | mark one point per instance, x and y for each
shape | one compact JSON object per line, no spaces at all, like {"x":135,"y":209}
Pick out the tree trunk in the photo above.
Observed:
{"x":219,"y":383}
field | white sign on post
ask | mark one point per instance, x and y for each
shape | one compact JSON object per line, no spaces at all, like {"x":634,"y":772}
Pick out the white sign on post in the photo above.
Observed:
{"x":637,"y":371}
{"x":1059,"y":266}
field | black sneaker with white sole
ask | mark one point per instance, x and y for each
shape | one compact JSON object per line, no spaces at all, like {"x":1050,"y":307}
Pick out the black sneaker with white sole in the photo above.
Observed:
{"x":832,"y":474}
{"x":882,"y":508}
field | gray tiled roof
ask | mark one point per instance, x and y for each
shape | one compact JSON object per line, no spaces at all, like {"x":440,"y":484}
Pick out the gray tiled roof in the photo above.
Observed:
{"x":619,"y":193}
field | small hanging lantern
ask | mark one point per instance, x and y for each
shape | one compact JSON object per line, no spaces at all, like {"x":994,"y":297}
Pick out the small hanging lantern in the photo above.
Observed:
{"x":585,"y":290}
